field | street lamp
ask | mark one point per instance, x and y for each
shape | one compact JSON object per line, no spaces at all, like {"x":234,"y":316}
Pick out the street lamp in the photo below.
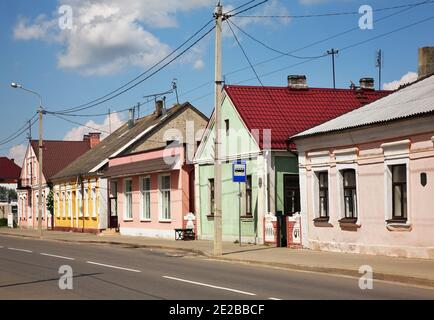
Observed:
{"x":41,"y":112}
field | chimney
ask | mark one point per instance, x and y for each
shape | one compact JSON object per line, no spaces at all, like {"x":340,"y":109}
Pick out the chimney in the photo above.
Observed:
{"x":426,"y":62}
{"x":94,"y":139}
{"x":86,"y":137}
{"x":159,"y":107}
{"x":367,"y":83}
{"x":131,"y":118}
{"x":297,"y":82}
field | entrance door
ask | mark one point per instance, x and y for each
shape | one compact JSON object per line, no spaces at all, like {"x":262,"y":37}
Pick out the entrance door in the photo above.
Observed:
{"x":281,"y":230}
{"x":113,"y":200}
{"x":291,"y":189}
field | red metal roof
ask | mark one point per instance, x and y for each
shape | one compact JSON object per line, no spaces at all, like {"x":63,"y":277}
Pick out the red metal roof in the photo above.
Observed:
{"x":58,"y":154}
{"x":9,"y":171}
{"x":289,"y":111}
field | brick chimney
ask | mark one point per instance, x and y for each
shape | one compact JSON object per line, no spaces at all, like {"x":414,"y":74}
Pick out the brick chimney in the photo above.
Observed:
{"x":367,"y":83}
{"x":159,"y":107}
{"x":297,"y":82}
{"x":94,"y":139}
{"x":426,"y":62}
{"x":86,"y":137}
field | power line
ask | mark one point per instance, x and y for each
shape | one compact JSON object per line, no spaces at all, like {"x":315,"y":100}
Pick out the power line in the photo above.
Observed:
{"x":25,"y":126}
{"x":93,"y":102}
{"x":239,"y":7}
{"x":269,"y":47}
{"x":249,"y":8}
{"x":18,"y":133}
{"x":331,"y":14}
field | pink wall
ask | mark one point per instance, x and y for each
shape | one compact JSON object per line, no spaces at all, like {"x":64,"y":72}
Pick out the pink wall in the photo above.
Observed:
{"x":374,"y":235}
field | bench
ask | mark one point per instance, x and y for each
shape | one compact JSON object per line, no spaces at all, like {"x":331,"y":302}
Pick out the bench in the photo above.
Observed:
{"x":185,"y":234}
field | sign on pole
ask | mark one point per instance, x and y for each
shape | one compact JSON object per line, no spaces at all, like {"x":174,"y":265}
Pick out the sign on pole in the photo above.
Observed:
{"x":239,"y":171}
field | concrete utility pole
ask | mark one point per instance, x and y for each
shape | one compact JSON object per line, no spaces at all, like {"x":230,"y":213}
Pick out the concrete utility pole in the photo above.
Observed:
{"x":41,"y":112}
{"x":218,"y":250}
{"x":379,"y":65}
{"x":332,"y":52}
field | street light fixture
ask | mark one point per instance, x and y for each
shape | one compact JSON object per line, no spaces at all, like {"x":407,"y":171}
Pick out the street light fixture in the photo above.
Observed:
{"x":41,"y":112}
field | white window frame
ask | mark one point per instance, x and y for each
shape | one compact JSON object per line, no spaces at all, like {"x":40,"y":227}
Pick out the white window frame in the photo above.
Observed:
{"x":142,"y":199}
{"x":395,"y":153}
{"x":347,"y":159}
{"x":86,"y":201}
{"x":130,"y":193}
{"x":69,"y":203}
{"x":160,"y":198}
{"x":93,"y":194}
{"x":315,"y":191}
{"x":63,"y":204}
{"x":57,"y":201}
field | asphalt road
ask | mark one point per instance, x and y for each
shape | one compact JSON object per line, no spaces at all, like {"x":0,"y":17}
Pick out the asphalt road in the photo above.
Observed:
{"x":29,"y":269}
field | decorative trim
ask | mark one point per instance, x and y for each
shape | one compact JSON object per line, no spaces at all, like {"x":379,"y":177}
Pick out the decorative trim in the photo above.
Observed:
{"x":349,"y":224}
{"x":396,"y":149}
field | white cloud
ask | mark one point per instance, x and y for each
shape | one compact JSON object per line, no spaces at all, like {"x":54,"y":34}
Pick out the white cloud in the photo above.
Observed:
{"x":407,"y":78}
{"x":17,"y":153}
{"x":108,"y":35}
{"x":77,"y":133}
{"x":198,"y":64}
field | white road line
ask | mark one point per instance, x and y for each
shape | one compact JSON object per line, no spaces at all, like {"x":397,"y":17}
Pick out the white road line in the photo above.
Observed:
{"x":1,"y":247}
{"x":22,"y":250}
{"x":114,"y":267}
{"x":54,"y":256}
{"x":211,"y":286}
{"x":271,"y":298}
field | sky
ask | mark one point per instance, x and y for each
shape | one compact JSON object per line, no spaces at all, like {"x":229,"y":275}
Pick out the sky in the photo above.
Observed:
{"x":73,"y":51}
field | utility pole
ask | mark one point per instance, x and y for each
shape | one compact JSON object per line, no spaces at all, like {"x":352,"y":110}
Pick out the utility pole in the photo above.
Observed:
{"x":40,"y":112}
{"x":379,"y":65}
{"x":218,"y":250}
{"x":110,"y":121}
{"x":332,"y":52}
{"x":40,"y":171}
{"x":138,"y":110}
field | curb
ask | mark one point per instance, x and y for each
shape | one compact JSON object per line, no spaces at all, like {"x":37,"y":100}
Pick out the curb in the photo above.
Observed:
{"x":298,"y":267}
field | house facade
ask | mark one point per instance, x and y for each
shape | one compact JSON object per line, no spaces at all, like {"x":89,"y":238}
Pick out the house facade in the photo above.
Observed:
{"x":56,"y":156}
{"x":367,"y":177}
{"x":255,"y":121}
{"x":152,"y":180}
{"x":9,"y":177}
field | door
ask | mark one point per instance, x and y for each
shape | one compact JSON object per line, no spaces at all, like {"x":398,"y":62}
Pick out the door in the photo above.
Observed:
{"x":281,"y":230}
{"x":291,"y":189}
{"x":113,"y":202}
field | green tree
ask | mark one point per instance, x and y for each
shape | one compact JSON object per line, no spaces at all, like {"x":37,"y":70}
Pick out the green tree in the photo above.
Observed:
{"x":50,"y":201}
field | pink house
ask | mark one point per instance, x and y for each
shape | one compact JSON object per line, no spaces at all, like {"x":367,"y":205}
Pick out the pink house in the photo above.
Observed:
{"x":367,"y":177}
{"x":154,"y":191}
{"x":151,"y":177}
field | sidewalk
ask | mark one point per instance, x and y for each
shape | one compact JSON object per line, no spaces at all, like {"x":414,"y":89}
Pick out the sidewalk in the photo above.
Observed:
{"x":405,"y":270}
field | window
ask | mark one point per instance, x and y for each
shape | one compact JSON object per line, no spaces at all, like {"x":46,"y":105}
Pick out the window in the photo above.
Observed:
{"x":128,"y":199}
{"x":146,"y":199}
{"x":69,"y":204}
{"x":63,"y":204}
{"x":57,"y":204}
{"x":94,"y":202}
{"x":249,"y":195}
{"x":323,"y":183}
{"x":80,"y":203}
{"x":227,"y":127}
{"x":165,"y":197}
{"x":86,"y":201}
{"x":291,"y":201}
{"x":211,"y":197}
{"x":399,"y":192}
{"x":350,"y":193}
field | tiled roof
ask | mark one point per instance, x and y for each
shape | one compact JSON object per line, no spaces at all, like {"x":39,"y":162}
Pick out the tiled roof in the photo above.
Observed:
{"x":289,"y":111}
{"x":117,"y":140}
{"x":139,"y":167}
{"x":58,"y":154}
{"x":9,"y":171}
{"x":413,"y":100}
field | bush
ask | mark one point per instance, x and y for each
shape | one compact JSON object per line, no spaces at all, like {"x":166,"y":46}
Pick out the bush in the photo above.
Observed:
{"x":3,"y":222}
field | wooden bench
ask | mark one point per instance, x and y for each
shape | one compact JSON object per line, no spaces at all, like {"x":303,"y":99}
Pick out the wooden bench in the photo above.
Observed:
{"x":184,"y":234}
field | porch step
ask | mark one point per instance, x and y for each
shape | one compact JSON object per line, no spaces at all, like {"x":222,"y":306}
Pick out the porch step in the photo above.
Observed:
{"x":109,"y":232}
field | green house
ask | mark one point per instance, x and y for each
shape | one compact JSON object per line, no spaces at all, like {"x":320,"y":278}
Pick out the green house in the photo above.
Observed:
{"x":255,"y":125}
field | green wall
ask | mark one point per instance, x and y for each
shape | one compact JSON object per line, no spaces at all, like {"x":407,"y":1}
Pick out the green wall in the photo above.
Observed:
{"x":283,"y":165}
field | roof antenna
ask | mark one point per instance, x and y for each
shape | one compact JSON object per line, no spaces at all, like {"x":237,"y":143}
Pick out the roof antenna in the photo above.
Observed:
{"x":175,"y":87}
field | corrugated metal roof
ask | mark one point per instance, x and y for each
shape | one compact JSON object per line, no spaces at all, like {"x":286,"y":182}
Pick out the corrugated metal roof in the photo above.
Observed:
{"x":287,"y":111}
{"x":413,"y":100}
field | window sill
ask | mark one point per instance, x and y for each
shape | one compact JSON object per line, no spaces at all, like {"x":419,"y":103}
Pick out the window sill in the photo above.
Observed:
{"x":165,"y":220}
{"x":349,"y":224}
{"x":246,"y":218}
{"x":322,"y":222}
{"x":210,"y":217}
{"x":398,"y":225}
{"x":145,"y":220}
{"x":128,"y":220}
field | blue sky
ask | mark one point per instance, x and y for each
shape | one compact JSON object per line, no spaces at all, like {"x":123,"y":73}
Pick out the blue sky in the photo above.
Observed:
{"x":114,"y":41}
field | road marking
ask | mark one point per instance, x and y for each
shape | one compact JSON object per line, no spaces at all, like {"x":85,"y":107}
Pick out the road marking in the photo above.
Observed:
{"x":22,"y":250}
{"x":271,"y":298}
{"x":211,"y":286}
{"x":1,"y":247}
{"x":54,"y":256}
{"x":110,"y":266}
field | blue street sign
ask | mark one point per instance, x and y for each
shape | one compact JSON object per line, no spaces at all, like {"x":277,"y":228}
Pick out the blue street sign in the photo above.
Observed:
{"x":239,"y":171}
